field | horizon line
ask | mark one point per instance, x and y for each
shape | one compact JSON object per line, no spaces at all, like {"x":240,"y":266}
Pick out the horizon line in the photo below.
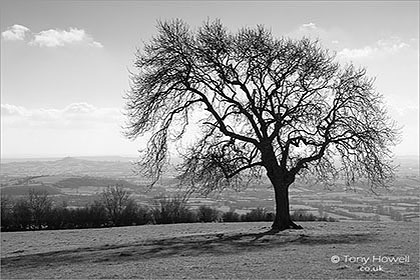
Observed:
{"x":8,"y":157}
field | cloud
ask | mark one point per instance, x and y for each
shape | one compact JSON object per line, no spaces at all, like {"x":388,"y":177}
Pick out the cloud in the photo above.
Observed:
{"x":308,"y":30}
{"x":15,"y":33}
{"x":76,"y":129}
{"x":12,"y":110}
{"x":59,"y":38}
{"x":96,"y":44}
{"x":380,"y":48}
{"x":75,"y":115}
{"x":329,"y":36}
{"x":79,"y":108}
{"x":407,"y":118}
{"x":50,"y":38}
{"x":308,"y":26}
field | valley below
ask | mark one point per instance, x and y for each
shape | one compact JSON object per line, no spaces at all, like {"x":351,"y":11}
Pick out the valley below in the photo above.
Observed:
{"x":76,"y":182}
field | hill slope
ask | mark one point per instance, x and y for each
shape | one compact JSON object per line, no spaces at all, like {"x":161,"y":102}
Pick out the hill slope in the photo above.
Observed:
{"x":198,"y":251}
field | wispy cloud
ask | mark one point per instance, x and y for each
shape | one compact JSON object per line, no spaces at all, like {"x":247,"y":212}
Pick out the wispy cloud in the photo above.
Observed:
{"x":50,"y":38}
{"x":380,"y":48}
{"x":75,"y":115}
{"x":15,"y":33}
{"x":313,"y":30}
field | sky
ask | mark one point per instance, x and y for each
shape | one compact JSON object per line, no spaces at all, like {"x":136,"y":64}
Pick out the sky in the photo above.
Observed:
{"x":65,"y":64}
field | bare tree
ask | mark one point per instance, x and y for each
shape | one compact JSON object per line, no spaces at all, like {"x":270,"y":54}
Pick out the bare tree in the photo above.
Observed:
{"x":40,"y":205}
{"x":115,"y":199}
{"x":280,"y":106}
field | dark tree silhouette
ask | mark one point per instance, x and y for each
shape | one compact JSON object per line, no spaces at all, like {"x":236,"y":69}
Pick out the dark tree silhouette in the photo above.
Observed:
{"x":115,"y":200}
{"x":280,"y":106}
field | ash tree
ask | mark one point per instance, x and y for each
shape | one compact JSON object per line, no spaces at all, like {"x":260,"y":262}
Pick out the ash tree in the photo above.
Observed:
{"x":269,"y":106}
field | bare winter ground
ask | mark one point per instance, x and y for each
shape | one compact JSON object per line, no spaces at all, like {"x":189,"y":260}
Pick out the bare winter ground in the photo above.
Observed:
{"x":218,"y":250}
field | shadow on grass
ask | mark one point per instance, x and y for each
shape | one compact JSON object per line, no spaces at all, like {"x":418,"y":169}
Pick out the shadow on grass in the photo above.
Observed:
{"x":189,"y":245}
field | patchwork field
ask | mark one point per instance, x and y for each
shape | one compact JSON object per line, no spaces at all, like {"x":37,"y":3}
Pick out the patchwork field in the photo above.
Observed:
{"x":340,"y":250}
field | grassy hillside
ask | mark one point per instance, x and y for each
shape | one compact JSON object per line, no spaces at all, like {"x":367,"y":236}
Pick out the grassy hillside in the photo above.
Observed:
{"x":216,"y":250}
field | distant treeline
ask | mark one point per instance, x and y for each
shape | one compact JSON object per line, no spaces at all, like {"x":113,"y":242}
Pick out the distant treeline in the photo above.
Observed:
{"x":76,"y":182}
{"x":115,"y":207}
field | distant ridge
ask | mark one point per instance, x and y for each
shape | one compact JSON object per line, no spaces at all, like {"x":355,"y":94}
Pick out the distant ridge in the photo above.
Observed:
{"x":108,"y":158}
{"x":69,"y":166}
{"x":69,"y":160}
{"x":87,"y":158}
{"x":115,"y":165}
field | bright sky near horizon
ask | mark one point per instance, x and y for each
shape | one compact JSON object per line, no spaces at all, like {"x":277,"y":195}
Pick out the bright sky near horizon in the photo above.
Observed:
{"x":64,"y":64}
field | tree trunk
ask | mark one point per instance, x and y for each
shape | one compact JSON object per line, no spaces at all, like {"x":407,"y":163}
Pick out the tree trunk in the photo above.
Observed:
{"x":282,"y":221}
{"x":281,"y":179}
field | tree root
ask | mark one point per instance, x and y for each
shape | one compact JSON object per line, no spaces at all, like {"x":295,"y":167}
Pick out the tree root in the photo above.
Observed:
{"x":280,"y":227}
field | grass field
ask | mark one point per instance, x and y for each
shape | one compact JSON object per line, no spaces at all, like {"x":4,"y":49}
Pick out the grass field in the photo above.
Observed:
{"x":216,"y":250}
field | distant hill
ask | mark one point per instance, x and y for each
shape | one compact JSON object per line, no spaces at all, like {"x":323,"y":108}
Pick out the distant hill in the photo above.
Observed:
{"x":109,"y":158}
{"x":68,"y":166}
{"x":91,"y":158}
{"x":116,"y":166}
{"x":107,"y":166}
